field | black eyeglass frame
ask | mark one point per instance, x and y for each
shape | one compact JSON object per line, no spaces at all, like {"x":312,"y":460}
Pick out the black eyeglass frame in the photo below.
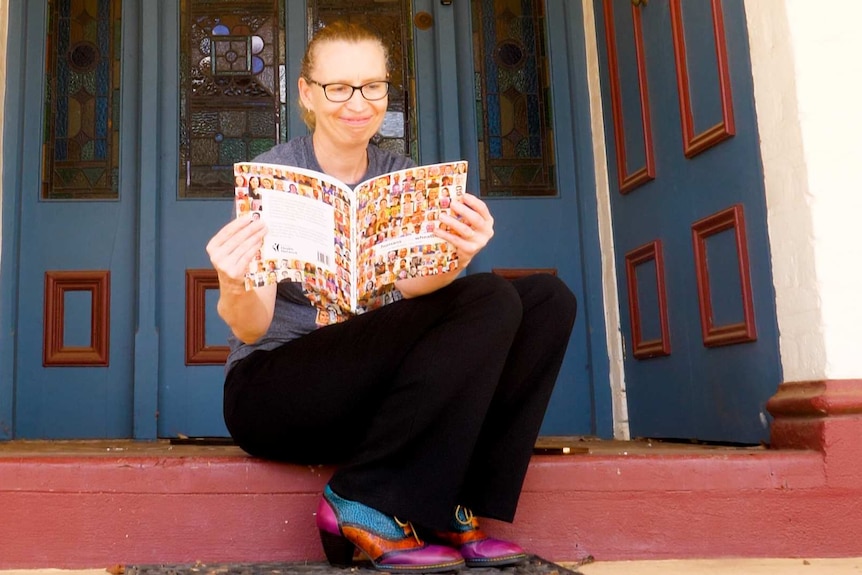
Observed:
{"x":352,"y":89}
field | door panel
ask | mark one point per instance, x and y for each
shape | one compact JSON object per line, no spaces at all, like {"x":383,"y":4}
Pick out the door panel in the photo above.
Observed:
{"x":190,"y":389}
{"x":79,"y":395}
{"x":73,"y":380}
{"x":688,"y":210}
{"x":538,"y":235}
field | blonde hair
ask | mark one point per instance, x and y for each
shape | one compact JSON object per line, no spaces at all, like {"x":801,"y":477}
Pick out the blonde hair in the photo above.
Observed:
{"x":339,"y":30}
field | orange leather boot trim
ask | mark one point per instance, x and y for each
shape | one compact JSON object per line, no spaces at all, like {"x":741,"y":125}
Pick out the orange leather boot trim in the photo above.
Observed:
{"x":375,"y":546}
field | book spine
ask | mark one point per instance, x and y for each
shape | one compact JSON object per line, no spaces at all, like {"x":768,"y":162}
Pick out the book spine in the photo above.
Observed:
{"x":354,"y":251}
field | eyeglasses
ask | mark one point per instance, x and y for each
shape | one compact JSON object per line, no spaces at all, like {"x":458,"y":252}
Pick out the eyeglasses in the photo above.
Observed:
{"x":371,"y":91}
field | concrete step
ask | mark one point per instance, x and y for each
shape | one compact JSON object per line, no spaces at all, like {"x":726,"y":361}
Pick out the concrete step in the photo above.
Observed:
{"x":94,"y":504}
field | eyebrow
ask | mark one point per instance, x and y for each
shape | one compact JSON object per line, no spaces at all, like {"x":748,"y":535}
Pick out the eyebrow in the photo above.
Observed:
{"x":346,"y":83}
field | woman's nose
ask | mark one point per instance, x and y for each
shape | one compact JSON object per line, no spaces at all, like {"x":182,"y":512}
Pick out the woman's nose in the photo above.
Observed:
{"x":357,"y":100}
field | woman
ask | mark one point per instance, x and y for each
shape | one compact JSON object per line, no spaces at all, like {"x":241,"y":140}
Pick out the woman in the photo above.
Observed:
{"x":429,"y":405}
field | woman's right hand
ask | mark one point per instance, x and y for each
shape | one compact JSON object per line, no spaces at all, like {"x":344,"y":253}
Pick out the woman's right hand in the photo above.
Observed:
{"x":232,"y":249}
{"x":248,"y":313}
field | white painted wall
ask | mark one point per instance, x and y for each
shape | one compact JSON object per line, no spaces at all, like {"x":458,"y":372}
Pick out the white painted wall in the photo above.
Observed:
{"x":807,"y":86}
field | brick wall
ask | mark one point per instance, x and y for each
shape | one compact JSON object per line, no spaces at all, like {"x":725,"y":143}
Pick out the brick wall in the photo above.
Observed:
{"x":803,"y":61}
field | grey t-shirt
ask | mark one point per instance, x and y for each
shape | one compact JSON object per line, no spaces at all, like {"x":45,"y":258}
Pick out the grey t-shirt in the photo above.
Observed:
{"x":294,"y":316}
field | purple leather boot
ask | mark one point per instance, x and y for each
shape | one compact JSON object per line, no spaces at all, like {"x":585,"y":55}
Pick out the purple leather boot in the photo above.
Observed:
{"x":392,"y":545}
{"x":477,"y":549}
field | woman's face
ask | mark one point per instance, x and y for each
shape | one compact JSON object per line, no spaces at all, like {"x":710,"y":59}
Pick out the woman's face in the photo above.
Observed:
{"x":355,"y":121}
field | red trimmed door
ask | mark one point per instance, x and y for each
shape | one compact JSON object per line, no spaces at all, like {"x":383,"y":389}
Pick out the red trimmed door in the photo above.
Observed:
{"x":689,"y":219}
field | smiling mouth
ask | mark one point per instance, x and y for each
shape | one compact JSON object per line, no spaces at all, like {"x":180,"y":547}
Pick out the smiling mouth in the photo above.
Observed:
{"x":356,"y":121}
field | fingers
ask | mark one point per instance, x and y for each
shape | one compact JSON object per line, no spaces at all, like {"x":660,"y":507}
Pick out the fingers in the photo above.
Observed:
{"x":472,"y":218}
{"x":236,"y":229}
{"x":477,"y":205}
{"x":234,"y":246}
{"x":470,"y":229}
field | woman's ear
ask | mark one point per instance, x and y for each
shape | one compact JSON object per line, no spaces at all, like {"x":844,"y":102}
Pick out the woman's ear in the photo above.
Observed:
{"x":305,"y":92}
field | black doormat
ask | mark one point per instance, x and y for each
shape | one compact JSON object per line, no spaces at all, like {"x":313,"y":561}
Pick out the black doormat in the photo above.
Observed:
{"x":533,"y":565}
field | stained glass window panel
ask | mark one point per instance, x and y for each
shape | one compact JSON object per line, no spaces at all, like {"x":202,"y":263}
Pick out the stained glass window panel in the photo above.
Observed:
{"x":516,"y":156}
{"x":232,"y":97}
{"x":80,"y":151}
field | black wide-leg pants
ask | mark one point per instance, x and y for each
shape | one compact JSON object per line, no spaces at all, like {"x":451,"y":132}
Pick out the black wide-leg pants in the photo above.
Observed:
{"x":424,"y":404}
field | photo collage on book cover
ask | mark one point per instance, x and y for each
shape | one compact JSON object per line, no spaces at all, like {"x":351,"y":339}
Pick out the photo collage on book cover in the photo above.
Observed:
{"x":396,"y":215}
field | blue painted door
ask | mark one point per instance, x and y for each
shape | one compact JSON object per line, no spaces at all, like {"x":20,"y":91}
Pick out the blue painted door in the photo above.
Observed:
{"x":531,"y":233}
{"x":98,"y":295}
{"x":689,"y":219}
{"x":68,"y":265}
{"x":189,"y":384}
{"x":553,"y":232}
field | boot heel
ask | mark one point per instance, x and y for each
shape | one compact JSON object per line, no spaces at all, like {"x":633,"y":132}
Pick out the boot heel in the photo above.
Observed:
{"x":338,"y":550}
{"x":390,"y":544}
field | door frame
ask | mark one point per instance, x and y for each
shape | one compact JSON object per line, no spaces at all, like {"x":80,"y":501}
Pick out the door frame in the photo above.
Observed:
{"x":12,"y":127}
{"x":607,"y":290}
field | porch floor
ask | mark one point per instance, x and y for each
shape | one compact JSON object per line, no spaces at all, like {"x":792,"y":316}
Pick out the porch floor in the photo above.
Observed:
{"x":192,"y":448}
{"x":87,"y":504}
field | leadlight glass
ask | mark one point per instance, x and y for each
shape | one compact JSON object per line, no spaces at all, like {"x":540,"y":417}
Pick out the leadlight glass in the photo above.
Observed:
{"x":80,"y":152}
{"x":516,"y":154}
{"x":392,"y":20}
{"x":232,"y":99}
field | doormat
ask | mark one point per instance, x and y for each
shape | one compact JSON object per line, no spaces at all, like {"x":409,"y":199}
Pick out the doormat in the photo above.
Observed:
{"x":532,"y":565}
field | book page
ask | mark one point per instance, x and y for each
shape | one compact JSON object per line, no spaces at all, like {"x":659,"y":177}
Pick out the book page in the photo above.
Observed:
{"x":308,"y":233}
{"x":299,"y":228}
{"x":396,"y":215}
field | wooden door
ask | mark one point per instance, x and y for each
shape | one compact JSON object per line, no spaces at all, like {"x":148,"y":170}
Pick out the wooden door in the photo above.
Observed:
{"x":689,"y":219}
{"x":228,"y":113}
{"x":118,"y":288}
{"x":522,"y":130}
{"x":72,"y":263}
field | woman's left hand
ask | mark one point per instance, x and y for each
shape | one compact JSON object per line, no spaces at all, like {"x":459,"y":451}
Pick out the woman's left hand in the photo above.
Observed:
{"x":469,"y":230}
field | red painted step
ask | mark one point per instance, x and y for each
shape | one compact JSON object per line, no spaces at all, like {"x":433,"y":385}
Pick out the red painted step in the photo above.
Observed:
{"x":75,"y":506}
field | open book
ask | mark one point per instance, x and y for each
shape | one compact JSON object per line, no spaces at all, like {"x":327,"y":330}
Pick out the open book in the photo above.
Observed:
{"x":347,"y":247}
